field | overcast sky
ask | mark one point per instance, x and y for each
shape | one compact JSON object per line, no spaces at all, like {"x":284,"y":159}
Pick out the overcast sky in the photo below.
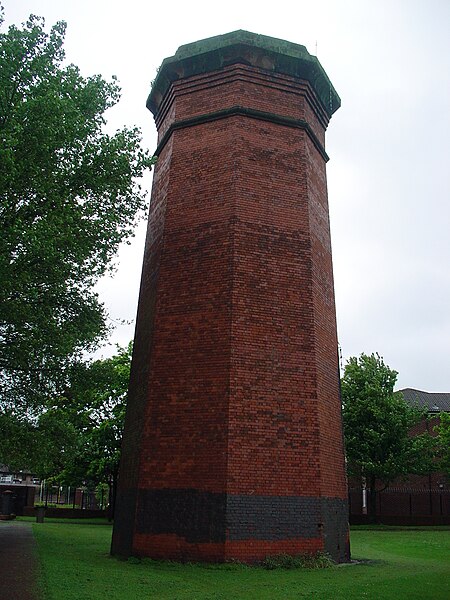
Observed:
{"x":389,"y":148}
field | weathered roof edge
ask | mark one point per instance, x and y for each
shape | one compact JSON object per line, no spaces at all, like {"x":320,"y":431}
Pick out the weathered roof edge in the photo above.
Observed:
{"x":262,"y":51}
{"x":433,"y":401}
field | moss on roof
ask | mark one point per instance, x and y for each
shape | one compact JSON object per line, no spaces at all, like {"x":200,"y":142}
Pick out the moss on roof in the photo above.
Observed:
{"x":271,"y":54}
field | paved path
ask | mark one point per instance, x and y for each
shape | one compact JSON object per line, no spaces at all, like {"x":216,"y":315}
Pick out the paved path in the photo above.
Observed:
{"x":18,"y":562}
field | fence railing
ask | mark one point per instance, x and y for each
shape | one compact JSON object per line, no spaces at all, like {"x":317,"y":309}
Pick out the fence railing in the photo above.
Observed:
{"x":404,"y":502}
{"x":71,"y":497}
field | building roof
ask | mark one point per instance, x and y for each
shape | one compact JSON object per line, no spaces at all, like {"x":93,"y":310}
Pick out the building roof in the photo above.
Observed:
{"x":433,"y":401}
{"x":270,"y":54}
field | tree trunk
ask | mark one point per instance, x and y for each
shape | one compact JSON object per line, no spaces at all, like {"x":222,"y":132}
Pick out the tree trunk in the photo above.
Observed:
{"x":372,"y":501}
{"x":110,"y":499}
{"x":112,"y":495}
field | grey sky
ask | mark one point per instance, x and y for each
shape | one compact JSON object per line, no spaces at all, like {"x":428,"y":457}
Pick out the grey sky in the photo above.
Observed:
{"x":388,"y":177}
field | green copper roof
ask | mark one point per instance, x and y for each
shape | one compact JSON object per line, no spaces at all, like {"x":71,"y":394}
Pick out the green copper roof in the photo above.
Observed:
{"x":261,"y":51}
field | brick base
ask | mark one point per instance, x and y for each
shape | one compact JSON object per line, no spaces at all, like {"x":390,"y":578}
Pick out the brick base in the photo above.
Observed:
{"x":192,"y":525}
{"x":163,"y":547}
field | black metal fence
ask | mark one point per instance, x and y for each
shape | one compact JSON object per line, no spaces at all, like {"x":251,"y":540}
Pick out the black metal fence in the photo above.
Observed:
{"x":404,"y":505}
{"x":71,"y":497}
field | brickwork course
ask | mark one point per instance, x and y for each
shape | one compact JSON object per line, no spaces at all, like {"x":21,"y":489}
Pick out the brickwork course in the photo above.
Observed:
{"x":233,"y":444}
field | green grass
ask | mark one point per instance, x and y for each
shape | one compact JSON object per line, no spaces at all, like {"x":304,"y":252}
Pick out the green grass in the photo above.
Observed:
{"x":407,"y":564}
{"x":381,"y":527}
{"x":65,"y":521}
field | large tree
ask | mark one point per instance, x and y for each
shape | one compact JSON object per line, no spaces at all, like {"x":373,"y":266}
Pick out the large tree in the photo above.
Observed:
{"x":69,"y":195}
{"x":377,"y":425}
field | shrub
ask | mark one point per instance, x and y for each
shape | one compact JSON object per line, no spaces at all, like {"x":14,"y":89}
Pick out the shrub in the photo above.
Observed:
{"x":319,"y":560}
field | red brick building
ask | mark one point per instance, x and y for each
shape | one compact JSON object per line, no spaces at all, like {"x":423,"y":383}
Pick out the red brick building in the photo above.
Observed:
{"x":233,"y":439}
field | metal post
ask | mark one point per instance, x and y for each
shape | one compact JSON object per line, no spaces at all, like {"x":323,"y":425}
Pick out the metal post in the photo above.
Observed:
{"x":430,"y":494}
{"x":364,"y":496}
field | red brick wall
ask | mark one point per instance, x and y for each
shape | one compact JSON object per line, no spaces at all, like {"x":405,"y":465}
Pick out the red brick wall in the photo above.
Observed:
{"x":185,"y":437}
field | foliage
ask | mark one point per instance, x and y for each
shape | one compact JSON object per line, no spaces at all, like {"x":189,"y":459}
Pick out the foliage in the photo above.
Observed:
{"x":76,"y":440}
{"x":101,"y":494}
{"x":101,"y":388}
{"x":69,"y":195}
{"x":377,"y":425}
{"x":443,"y":444}
{"x":54,"y":439}
{"x":319,"y":560}
{"x":16,"y":441}
{"x":403,"y":564}
{"x":86,"y":448}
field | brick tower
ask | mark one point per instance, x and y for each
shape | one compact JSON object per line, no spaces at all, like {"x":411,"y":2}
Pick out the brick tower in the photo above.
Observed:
{"x":233,"y":438}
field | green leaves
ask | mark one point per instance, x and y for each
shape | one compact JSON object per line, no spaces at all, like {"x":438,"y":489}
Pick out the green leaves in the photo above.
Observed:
{"x":443,"y":443}
{"x":377,"y":423}
{"x":69,"y":195}
{"x":95,"y":405}
{"x":77,"y":438}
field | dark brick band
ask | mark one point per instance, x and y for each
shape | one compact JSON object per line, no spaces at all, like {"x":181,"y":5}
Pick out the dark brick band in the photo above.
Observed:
{"x":246,"y":112}
{"x":335,"y":528}
{"x":124,"y":522}
{"x":211,"y":517}
{"x":273,"y":517}
{"x":196,"y":516}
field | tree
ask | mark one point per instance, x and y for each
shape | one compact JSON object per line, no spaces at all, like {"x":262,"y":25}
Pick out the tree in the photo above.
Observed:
{"x":99,"y":391}
{"x":443,"y":444}
{"x":77,"y":439}
{"x":69,"y":195}
{"x":16,"y":447}
{"x":377,"y":424}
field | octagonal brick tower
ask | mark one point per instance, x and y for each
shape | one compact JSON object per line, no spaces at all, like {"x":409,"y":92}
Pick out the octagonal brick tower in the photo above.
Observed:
{"x":233,"y":436}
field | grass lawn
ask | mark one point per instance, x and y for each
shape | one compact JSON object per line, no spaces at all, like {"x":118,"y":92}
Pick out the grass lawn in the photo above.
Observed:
{"x":408,"y":564}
